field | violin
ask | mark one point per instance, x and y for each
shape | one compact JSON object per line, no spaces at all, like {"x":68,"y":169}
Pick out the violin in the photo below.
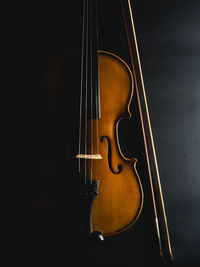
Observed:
{"x":99,"y":86}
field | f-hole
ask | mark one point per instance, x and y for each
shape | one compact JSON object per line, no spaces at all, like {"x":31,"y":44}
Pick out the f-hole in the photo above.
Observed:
{"x":119,"y":167}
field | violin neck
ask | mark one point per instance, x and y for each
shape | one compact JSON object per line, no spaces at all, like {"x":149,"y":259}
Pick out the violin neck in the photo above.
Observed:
{"x":89,"y":62}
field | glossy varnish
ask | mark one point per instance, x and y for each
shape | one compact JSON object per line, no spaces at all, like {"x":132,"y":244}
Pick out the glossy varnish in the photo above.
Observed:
{"x":120,"y":197}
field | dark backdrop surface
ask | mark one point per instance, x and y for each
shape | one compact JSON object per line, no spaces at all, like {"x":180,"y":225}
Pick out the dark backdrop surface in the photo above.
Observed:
{"x":169,"y":44}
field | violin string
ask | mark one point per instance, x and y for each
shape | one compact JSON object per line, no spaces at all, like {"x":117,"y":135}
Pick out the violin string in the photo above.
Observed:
{"x":97,"y":86}
{"x":81,"y":89}
{"x":150,"y":129}
{"x":91,"y":88}
{"x":86,"y":91}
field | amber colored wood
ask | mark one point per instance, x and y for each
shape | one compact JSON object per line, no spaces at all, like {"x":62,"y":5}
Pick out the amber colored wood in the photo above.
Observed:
{"x":120,"y":196}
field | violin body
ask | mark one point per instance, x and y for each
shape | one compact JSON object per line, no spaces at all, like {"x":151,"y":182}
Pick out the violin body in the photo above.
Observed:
{"x":120,"y":196}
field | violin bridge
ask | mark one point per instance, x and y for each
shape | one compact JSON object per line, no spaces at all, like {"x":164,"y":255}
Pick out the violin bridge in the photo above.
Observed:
{"x":85,"y":156}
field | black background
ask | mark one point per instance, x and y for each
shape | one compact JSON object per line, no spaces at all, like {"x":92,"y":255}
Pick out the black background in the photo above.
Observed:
{"x":169,"y":44}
